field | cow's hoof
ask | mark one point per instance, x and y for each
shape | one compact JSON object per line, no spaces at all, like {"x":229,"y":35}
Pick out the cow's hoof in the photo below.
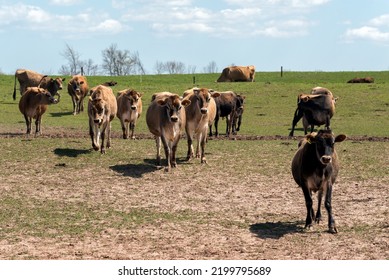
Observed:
{"x":333,"y":230}
{"x":203,"y":160}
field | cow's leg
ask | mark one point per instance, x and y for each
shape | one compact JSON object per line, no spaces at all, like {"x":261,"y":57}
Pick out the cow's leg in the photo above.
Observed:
{"x":190,"y":153}
{"x":124,"y":128}
{"x":203,"y":140}
{"x":38,"y":125}
{"x":167,"y":152}
{"x":210,"y":130}
{"x":132,"y":127}
{"x":108,"y":135}
{"x":94,"y":133}
{"x":199,"y":139}
{"x":82,"y":104}
{"x":239,"y":123}
{"x":318,"y":212}
{"x":74,"y":105}
{"x":297,"y":116}
{"x":216,"y":124}
{"x":173,"y":152}
{"x":328,"y":121}
{"x":158,"y":144}
{"x":28,"y":124}
{"x":308,"y":203}
{"x":102,"y":148}
{"x":328,"y":206}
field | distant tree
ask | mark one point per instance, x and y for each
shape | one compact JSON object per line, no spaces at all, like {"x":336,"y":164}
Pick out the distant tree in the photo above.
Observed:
{"x":211,"y":67}
{"x":159,"y":67}
{"x":121,"y":62}
{"x":73,"y":61}
{"x":89,"y":68}
{"x":192,"y":69}
{"x":175,"y":67}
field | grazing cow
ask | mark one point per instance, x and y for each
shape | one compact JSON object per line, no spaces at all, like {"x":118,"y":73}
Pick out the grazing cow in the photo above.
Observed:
{"x":316,"y":108}
{"x":368,"y":80}
{"x":102,"y":108}
{"x":315,"y":168}
{"x":199,"y":115}
{"x":165,"y":118}
{"x":33,"y":104}
{"x":229,"y":105}
{"x":28,"y":78}
{"x":78,"y":89}
{"x":237,"y":74}
{"x":129,"y":110}
{"x":110,"y":84}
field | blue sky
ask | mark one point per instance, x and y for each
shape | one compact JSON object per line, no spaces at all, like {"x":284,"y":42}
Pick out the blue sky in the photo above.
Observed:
{"x":300,"y":35}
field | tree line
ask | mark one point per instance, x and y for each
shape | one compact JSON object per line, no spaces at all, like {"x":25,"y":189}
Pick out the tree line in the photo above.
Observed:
{"x":118,"y":62}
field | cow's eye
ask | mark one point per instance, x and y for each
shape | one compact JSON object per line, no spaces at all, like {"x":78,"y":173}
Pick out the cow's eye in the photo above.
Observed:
{"x":179,"y":108}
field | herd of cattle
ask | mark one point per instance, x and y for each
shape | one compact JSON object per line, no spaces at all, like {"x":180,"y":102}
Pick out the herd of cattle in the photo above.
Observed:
{"x":314,"y":166}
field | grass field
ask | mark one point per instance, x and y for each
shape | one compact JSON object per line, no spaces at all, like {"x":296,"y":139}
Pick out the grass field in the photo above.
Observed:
{"x":61,"y":200}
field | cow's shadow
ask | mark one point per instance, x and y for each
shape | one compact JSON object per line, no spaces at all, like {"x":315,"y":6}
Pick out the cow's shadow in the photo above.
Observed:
{"x":66,"y":152}
{"x":270,"y":230}
{"x":60,"y":114}
{"x":135,"y":170}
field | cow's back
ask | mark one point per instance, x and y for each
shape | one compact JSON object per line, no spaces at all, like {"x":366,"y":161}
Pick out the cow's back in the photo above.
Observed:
{"x":28,"y":78}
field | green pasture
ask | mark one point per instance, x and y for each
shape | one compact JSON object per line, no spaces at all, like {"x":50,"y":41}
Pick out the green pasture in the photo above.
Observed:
{"x":362,"y":109}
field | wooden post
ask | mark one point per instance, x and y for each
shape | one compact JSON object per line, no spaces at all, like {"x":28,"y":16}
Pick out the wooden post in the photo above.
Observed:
{"x":82,"y":71}
{"x":194,"y":80}
{"x":282,"y":71}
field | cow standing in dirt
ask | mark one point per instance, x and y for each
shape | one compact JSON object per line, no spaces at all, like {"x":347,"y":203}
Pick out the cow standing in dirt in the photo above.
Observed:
{"x":33,"y":104}
{"x":102,"y":108}
{"x":229,"y":105}
{"x":129,"y":110}
{"x":199,"y":115}
{"x":316,"y":108}
{"x":315,"y":168}
{"x":237,"y":74}
{"x":78,"y":89}
{"x":29,"y":78}
{"x":166,"y":119}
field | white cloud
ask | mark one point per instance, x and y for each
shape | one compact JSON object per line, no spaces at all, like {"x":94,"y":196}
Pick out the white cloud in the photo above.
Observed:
{"x":382,"y":20}
{"x":64,"y":2}
{"x":109,"y":25}
{"x":377,"y":30}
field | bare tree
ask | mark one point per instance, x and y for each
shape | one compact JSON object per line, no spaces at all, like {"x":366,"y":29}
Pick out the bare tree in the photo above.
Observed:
{"x":90,"y":69}
{"x":121,"y":62}
{"x":175,"y":67}
{"x":211,"y":67}
{"x":191,"y":69}
{"x":159,"y":67}
{"x":73,"y":61}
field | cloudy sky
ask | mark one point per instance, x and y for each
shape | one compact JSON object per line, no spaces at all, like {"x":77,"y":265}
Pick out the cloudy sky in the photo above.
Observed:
{"x":300,"y":35}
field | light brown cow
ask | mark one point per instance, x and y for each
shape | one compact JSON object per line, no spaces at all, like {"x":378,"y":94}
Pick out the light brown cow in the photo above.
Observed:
{"x":165,"y":118}
{"x":29,"y":78}
{"x":129,"y":110}
{"x":200,"y":114}
{"x":78,"y":89}
{"x":102,"y":108}
{"x":33,"y":104}
{"x":237,"y":74}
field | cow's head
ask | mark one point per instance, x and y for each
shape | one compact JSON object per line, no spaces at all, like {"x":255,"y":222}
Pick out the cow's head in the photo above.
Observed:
{"x":54,"y":85}
{"x":133,"y":97}
{"x":46,"y":97}
{"x":76,"y":84}
{"x":97,"y":108}
{"x":173,"y":104}
{"x":324,"y":140}
{"x":203,"y":97}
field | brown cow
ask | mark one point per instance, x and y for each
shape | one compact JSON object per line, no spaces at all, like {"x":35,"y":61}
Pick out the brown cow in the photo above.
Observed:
{"x":78,"y":89}
{"x":33,"y":104}
{"x":199,"y":115}
{"x":229,"y":105}
{"x":129,"y":110}
{"x":237,"y":74}
{"x":102,"y":108}
{"x":368,"y":80}
{"x":315,"y":168}
{"x":165,"y":119}
{"x":29,"y":78}
{"x":316,"y":108}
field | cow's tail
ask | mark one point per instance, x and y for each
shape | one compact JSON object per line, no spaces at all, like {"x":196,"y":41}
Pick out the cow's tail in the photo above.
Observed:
{"x":14,"y":94}
{"x":39,"y":85}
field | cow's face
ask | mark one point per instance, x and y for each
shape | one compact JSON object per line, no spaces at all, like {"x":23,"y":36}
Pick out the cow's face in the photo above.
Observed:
{"x":204,"y":97}
{"x":97,"y":110}
{"x":46,"y":96}
{"x":325,"y":142}
{"x":133,"y":97}
{"x":173,"y":106}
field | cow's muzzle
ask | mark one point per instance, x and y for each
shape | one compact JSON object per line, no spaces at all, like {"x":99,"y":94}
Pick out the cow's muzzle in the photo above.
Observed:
{"x":326,"y":159}
{"x":133,"y":107}
{"x":174,"y":119}
{"x":204,"y":110}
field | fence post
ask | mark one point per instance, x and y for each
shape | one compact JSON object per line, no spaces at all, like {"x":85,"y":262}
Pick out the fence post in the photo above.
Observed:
{"x":282,"y":71}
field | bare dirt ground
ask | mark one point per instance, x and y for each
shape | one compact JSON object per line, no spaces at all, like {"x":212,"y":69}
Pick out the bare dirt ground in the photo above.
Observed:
{"x":228,"y":209}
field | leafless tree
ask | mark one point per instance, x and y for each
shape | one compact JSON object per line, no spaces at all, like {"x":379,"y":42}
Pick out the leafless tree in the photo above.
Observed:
{"x":90,"y":69}
{"x":211,"y":67}
{"x":121,"y":62}
{"x":191,"y":69}
{"x":73,"y":61}
{"x":175,"y":67}
{"x":159,"y":67}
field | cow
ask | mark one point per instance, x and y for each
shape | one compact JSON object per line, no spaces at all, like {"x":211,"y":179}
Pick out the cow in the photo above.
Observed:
{"x":102,"y":108}
{"x":316,"y":108}
{"x":29,"y":78}
{"x":368,"y":80}
{"x":229,"y":105}
{"x":109,"y":84}
{"x":199,"y":115}
{"x":315,"y":168}
{"x":237,"y":74}
{"x":33,"y":104}
{"x":78,"y":89}
{"x":129,"y":110}
{"x":165,"y":118}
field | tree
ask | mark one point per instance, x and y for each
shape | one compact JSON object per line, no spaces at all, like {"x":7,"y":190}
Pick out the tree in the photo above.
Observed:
{"x":175,"y":67}
{"x":159,"y":67}
{"x":73,"y":59}
{"x":211,"y":67}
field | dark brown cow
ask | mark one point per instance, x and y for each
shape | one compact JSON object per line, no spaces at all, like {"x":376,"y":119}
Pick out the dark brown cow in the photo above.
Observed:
{"x":229,"y":105}
{"x":315,"y":168}
{"x":237,"y":74}
{"x":78,"y":89}
{"x":33,"y":104}
{"x":368,"y":80}
{"x":129,"y":110}
{"x":316,"y":108}
{"x":102,"y":108}
{"x":199,"y":115}
{"x":165,"y":118}
{"x":28,"y":78}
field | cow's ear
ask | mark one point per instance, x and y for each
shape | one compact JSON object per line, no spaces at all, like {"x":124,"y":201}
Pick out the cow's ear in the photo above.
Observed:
{"x":90,"y":98}
{"x":90,"y":92}
{"x":185,"y":102}
{"x":214,"y":94}
{"x":82,"y":82}
{"x":196,"y":91}
{"x":63,"y":79}
{"x":311,"y":138}
{"x":340,"y":138}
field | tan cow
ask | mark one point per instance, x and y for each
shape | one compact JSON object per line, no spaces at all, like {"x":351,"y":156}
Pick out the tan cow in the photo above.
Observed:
{"x":165,"y":118}
{"x":237,"y":74}
{"x":33,"y":104}
{"x":78,"y":89}
{"x":200,"y":114}
{"x":102,"y":108}
{"x":29,"y":78}
{"x":129,"y":110}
